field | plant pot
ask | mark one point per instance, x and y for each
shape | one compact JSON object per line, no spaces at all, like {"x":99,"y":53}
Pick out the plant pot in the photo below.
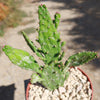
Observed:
{"x":28,"y":86}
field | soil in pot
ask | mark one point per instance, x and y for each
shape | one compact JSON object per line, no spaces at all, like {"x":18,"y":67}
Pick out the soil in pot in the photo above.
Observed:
{"x":76,"y":87}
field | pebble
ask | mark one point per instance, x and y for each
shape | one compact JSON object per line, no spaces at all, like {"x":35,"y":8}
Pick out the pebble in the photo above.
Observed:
{"x":89,"y":92}
{"x":73,"y":93}
{"x":63,"y":97}
{"x":56,"y":92}
{"x":37,"y":98}
{"x":79,"y":88}
{"x":62,"y":90}
{"x":78,"y":97}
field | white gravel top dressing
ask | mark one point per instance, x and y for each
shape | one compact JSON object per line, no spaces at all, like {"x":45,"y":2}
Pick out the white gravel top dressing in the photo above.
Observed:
{"x":77,"y":87}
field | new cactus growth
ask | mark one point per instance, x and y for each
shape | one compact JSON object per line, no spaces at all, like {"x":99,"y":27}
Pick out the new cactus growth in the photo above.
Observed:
{"x":53,"y":73}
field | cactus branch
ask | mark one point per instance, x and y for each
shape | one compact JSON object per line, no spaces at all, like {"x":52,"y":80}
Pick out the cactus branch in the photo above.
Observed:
{"x":32,"y":46}
{"x":80,"y":58}
{"x":56,"y":20}
{"x":48,"y":35}
{"x":21,"y":58}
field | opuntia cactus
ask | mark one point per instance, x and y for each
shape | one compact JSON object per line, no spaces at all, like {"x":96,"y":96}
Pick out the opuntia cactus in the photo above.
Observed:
{"x":54,"y":72}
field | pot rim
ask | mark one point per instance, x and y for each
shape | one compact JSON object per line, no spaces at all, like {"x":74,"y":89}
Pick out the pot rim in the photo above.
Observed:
{"x":91,"y":86}
{"x":28,"y":86}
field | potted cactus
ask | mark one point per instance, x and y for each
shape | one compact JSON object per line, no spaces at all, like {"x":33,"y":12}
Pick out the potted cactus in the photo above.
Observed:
{"x":54,"y":80}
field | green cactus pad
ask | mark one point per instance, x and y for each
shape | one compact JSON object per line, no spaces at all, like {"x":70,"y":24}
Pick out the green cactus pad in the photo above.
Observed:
{"x":81,"y":58}
{"x":53,"y":77}
{"x":48,"y":35}
{"x":21,"y":58}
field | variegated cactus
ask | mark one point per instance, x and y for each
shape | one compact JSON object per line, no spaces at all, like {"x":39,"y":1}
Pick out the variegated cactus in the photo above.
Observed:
{"x":54,"y":72}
